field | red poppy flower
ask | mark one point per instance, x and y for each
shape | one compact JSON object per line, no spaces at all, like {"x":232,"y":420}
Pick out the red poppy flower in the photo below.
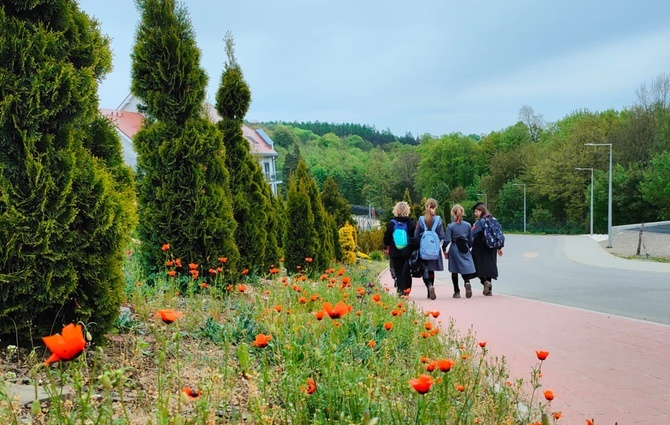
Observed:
{"x":191,"y":393}
{"x":241,"y":288}
{"x":262,"y":340}
{"x":558,"y":415}
{"x":319,"y":314}
{"x":589,"y":422}
{"x":278,"y":308}
{"x":422,"y":384}
{"x":336,"y":312}
{"x":423,"y":359}
{"x":445,"y":365}
{"x":435,"y":313}
{"x":168,"y":316}
{"x":431,"y":366}
{"x":388,"y":326}
{"x":482,"y":344}
{"x":549,"y":395}
{"x":346,"y":280}
{"x":460,"y":387}
{"x":67,"y":346}
{"x":541,"y":355}
{"x":310,"y":387}
{"x":165,"y":247}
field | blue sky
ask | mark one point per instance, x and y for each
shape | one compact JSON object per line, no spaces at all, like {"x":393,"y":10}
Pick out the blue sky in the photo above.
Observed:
{"x":433,"y":66}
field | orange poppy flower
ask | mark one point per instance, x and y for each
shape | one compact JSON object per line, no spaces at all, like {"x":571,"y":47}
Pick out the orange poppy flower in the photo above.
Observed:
{"x":169,"y":263}
{"x":376,"y":297}
{"x":360,"y":290}
{"x":428,"y":326}
{"x":558,"y":415}
{"x":423,"y":359}
{"x":223,"y":259}
{"x":482,"y":344}
{"x":431,"y":366}
{"x":460,"y":387}
{"x":67,"y":346}
{"x":336,"y":312}
{"x":212,"y":271}
{"x":172,"y":273}
{"x":549,"y":395}
{"x":445,"y":365}
{"x":341,"y":271}
{"x":262,"y":340}
{"x":245,"y":271}
{"x":310,"y":387}
{"x":284,"y":279}
{"x":278,"y":308}
{"x":388,"y":326}
{"x":422,"y":384}
{"x":177,"y":262}
{"x":165,"y":247}
{"x":541,"y":355}
{"x":589,"y":422}
{"x":425,"y":335}
{"x":302,"y":300}
{"x":372,"y":343}
{"x":168,"y":316}
{"x":407,"y":291}
{"x":319,"y":314}
{"x":346,"y":280}
{"x":274,"y":270}
{"x":192,"y":266}
{"x":308,"y":259}
{"x":241,"y":288}
{"x":191,"y":393}
{"x":204,"y":285}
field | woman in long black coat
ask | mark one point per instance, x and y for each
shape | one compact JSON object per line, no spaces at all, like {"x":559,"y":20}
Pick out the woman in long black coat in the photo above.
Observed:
{"x":485,"y":258}
{"x":399,"y":257}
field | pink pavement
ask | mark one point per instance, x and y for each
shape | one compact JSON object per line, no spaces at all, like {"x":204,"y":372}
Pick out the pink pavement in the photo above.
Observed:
{"x":602,"y":367}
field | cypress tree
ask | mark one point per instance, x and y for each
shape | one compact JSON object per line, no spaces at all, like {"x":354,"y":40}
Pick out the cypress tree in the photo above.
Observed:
{"x":291,"y":161}
{"x":66,"y":200}
{"x":184,"y":197}
{"x":273,"y":250}
{"x":335,"y":203}
{"x":247,"y":184}
{"x":300,"y":239}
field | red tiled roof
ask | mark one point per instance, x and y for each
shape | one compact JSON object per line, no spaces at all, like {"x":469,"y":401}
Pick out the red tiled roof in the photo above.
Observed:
{"x":128,"y":123}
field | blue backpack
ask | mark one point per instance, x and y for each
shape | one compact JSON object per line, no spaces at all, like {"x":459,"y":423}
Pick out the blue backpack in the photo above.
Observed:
{"x":493,"y":234}
{"x":430,"y":246}
{"x":400,"y":235}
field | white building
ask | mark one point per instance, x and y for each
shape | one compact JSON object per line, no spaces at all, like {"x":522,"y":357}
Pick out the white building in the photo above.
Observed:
{"x":128,"y":121}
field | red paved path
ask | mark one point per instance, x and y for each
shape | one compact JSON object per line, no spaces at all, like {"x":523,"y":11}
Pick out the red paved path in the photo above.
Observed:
{"x":605,"y":367}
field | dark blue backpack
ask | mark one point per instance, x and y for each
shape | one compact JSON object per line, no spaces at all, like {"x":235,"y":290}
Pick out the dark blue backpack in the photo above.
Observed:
{"x":493,"y":233}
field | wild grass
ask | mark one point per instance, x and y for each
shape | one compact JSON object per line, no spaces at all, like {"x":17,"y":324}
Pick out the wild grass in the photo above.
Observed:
{"x":206,"y":367}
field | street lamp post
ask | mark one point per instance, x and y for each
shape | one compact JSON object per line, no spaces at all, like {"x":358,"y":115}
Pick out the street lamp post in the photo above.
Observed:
{"x":524,"y":203}
{"x":591,"y":214}
{"x":486,"y":199}
{"x":609,"y":196}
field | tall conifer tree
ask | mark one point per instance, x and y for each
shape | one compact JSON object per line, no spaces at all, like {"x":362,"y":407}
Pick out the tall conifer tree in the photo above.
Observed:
{"x":184,"y":197}
{"x":251,"y":206}
{"x":66,"y":199}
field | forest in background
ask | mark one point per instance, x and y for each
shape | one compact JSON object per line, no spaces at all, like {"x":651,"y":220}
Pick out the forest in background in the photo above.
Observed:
{"x":378,"y":168}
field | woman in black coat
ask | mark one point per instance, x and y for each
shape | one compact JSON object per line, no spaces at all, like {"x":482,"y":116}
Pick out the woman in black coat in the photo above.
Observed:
{"x":399,"y":256}
{"x":485,"y":258}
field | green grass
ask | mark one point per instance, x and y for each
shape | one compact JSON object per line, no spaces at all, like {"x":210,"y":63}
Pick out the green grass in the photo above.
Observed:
{"x":361,"y":363}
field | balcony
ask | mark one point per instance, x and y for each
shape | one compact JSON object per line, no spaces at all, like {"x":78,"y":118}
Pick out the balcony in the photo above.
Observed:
{"x":275,"y":177}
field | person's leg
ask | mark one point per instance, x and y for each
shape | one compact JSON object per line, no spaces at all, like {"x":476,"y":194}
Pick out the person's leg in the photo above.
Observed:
{"x":468,"y":287}
{"x":398,"y":264}
{"x":430,"y":281}
{"x":487,"y":286}
{"x":454,"y":281}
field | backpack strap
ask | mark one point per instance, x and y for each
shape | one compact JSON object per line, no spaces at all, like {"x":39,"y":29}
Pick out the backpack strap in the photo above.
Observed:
{"x":435,"y":223}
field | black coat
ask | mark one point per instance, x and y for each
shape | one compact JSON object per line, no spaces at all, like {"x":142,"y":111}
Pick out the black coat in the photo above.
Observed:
{"x":485,"y":258}
{"x":388,"y":237}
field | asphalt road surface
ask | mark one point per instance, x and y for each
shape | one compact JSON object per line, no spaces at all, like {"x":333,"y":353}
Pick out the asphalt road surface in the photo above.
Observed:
{"x":537,"y":267}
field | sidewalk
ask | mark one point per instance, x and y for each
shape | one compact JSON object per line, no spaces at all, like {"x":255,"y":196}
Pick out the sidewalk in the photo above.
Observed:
{"x":602,"y":367}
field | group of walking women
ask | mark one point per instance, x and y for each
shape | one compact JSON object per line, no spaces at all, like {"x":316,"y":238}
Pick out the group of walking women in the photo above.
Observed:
{"x":462,"y":244}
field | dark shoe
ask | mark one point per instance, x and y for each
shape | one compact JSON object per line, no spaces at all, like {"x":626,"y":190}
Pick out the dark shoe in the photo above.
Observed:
{"x":457,"y":295}
{"x":431,"y":292}
{"x":487,"y":288}
{"x":468,"y":290}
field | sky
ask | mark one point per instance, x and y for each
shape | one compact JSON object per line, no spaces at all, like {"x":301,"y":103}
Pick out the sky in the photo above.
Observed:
{"x":424,"y":67}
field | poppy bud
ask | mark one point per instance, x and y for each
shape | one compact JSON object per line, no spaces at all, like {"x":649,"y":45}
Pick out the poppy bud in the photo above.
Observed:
{"x":89,"y":337}
{"x":105,"y":381}
{"x":36,"y":408}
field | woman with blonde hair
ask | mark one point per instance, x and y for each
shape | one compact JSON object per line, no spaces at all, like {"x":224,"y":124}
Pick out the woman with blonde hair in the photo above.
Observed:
{"x":425,"y":223}
{"x":400,"y":255}
{"x":459,"y":235}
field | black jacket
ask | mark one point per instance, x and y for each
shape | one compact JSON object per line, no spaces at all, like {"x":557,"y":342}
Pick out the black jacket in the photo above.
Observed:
{"x":388,"y":237}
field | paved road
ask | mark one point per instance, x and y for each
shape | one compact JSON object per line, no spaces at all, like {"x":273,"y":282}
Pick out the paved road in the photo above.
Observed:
{"x":575,"y":271}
